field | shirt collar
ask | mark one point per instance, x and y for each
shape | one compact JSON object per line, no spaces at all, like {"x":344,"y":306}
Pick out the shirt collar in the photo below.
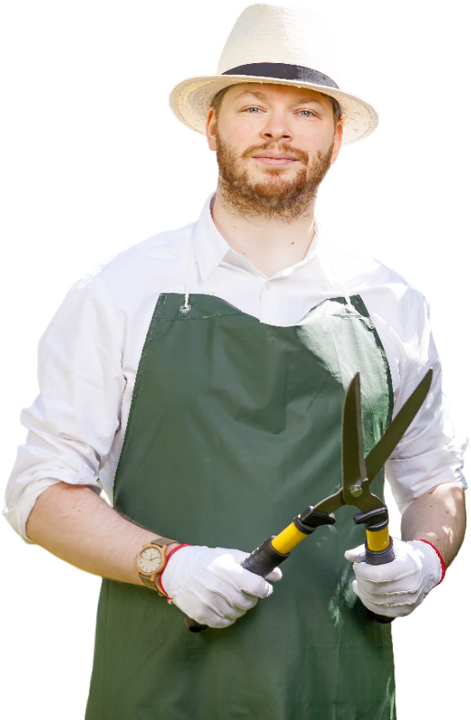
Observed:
{"x":210,"y":246}
{"x":211,"y":249}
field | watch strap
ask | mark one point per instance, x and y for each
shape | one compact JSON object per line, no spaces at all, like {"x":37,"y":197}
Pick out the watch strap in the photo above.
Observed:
{"x":161,"y":541}
{"x":145,"y":579}
{"x":148,"y":580}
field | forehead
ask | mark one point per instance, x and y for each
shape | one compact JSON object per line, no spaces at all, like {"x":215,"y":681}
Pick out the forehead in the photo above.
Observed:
{"x":270,"y":91}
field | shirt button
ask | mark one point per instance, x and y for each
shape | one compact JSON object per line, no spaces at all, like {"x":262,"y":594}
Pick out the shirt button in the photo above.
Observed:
{"x":268,"y":285}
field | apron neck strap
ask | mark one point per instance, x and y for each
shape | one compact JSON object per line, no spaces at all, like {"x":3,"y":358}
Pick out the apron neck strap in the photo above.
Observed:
{"x":186,"y":307}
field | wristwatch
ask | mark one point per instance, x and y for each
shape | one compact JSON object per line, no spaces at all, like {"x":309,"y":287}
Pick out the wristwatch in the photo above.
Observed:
{"x":151,"y":561}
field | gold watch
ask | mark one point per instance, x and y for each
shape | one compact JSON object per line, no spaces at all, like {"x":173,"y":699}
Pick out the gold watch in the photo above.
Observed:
{"x":151,"y":561}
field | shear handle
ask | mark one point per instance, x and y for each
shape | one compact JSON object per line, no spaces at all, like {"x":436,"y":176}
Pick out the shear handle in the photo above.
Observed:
{"x":379,"y":544}
{"x":277,"y":548}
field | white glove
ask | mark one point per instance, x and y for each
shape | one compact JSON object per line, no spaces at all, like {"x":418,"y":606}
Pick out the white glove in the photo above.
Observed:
{"x":210,"y":586}
{"x":397,"y":588}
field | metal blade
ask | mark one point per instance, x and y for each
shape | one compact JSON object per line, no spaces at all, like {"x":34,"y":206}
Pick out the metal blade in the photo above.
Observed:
{"x":353,"y":450}
{"x":357,"y":471}
{"x":353,"y":462}
{"x":383,"y":449}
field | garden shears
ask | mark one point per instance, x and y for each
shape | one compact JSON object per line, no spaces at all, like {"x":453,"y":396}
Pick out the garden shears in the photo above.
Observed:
{"x":357,"y":474}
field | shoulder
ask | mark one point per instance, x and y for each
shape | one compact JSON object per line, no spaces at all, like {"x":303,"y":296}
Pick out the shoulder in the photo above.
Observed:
{"x":154,"y":257}
{"x":386,"y":293}
{"x":123,"y":291}
{"x":138,"y":274}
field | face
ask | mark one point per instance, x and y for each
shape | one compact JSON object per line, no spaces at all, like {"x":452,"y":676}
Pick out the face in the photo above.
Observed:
{"x":274,"y":145}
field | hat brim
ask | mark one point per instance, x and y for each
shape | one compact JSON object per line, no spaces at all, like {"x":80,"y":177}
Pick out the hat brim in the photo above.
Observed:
{"x":190,"y":101}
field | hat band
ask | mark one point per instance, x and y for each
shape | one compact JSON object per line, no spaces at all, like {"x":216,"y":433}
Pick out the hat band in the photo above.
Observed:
{"x":283,"y":71}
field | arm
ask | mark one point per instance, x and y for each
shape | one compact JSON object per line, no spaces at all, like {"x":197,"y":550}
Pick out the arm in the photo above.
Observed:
{"x":76,"y":525}
{"x":438,"y":516}
{"x":208,"y":584}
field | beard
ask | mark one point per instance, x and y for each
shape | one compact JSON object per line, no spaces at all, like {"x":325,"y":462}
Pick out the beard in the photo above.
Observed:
{"x":275,"y":197}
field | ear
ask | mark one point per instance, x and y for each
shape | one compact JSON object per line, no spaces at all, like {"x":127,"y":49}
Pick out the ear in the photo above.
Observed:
{"x":338,"y":134}
{"x":211,"y":128}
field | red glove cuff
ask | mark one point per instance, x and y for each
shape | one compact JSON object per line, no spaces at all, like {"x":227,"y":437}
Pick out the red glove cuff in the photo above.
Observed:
{"x":443,"y":566}
{"x":159,"y":580}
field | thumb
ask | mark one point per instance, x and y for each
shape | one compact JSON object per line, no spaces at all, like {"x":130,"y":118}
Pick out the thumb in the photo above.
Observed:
{"x":274,"y":575}
{"x":240,"y":556}
{"x":356,"y":555}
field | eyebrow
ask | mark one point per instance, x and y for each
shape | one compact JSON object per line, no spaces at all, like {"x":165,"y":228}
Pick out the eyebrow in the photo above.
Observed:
{"x":261,"y":95}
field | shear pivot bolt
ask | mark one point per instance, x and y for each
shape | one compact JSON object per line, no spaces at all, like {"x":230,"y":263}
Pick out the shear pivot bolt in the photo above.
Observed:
{"x":356,"y":491}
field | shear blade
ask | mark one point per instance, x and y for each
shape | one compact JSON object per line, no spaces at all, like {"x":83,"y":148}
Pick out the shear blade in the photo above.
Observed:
{"x":383,"y":449}
{"x":358,"y":471}
{"x":353,"y":446}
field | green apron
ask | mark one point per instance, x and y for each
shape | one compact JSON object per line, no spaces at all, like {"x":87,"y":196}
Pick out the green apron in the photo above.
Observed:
{"x":234,"y":428}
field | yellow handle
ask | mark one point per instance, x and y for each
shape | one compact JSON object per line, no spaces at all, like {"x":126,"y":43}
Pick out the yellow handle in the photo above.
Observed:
{"x":287,"y":539}
{"x":378,"y":540}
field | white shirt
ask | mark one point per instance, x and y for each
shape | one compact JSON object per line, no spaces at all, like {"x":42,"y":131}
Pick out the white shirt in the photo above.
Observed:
{"x":89,"y":355}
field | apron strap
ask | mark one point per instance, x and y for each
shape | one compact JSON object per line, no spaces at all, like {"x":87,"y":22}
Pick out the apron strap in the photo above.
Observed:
{"x":333,"y":276}
{"x":186,"y":307}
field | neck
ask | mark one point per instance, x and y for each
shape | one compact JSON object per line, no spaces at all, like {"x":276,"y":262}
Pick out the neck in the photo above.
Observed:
{"x":270,"y":244}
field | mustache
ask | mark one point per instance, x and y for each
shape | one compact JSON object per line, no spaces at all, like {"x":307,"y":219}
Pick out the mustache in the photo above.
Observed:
{"x":280,"y":149}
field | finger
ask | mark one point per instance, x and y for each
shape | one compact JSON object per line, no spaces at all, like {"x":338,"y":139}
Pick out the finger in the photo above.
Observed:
{"x":239,"y":556}
{"x":225,"y":597}
{"x":405,"y":597}
{"x":214,"y":609}
{"x":255,"y":586}
{"x":356,"y":555}
{"x":233,"y":603}
{"x":355,"y":588}
{"x":395,"y":571}
{"x":388,"y":608}
{"x":230,"y":571}
{"x":212,"y":619}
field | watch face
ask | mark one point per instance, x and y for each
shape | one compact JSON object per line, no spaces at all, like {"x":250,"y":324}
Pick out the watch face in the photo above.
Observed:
{"x":150,"y":560}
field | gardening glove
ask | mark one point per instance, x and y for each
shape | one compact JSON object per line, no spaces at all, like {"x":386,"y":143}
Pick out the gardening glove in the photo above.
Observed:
{"x":397,"y":588}
{"x":210,"y":586}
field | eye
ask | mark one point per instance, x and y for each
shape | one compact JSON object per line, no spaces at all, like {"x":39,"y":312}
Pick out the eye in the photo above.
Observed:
{"x":252,"y":110}
{"x":307,"y":113}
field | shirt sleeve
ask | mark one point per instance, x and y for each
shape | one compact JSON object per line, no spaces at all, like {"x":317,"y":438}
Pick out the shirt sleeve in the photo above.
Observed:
{"x":429,"y":454}
{"x":72,"y":423}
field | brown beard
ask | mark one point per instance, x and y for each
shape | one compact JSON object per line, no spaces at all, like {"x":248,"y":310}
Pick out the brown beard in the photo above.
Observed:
{"x":274,"y":197}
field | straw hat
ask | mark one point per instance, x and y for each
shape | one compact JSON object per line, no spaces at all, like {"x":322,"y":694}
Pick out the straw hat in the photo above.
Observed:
{"x":281,"y":45}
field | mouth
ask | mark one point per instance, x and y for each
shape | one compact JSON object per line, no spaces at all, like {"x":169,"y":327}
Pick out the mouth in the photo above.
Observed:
{"x":272,"y":160}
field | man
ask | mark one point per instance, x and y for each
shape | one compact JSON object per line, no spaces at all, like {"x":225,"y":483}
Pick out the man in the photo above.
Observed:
{"x":201,"y":375}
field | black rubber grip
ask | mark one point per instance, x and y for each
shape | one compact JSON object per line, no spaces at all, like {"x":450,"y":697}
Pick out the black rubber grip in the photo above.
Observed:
{"x":374,"y":520}
{"x":310,"y":519}
{"x":264,"y":559}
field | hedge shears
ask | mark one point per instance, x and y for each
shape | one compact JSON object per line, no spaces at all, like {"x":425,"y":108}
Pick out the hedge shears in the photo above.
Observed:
{"x":357,"y":474}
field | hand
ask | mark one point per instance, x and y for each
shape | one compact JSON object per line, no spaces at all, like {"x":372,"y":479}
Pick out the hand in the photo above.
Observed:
{"x":396,"y":588}
{"x":210,"y":586}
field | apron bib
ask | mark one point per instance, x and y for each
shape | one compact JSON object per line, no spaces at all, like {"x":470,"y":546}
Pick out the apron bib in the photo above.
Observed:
{"x":234,"y":428}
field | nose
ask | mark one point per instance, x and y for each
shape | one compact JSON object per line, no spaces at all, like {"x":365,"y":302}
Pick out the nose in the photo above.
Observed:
{"x":276,"y":127}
